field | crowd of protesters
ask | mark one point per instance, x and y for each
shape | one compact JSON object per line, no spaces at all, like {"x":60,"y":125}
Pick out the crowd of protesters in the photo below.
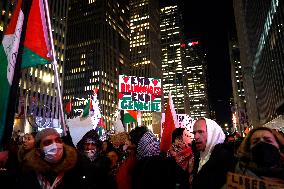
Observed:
{"x":45,"y":160}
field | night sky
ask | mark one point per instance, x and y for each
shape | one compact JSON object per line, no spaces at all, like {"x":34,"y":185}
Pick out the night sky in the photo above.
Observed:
{"x":211,"y":21}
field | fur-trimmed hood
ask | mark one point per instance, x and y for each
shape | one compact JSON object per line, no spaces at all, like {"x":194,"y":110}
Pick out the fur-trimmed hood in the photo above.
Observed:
{"x":35,"y":162}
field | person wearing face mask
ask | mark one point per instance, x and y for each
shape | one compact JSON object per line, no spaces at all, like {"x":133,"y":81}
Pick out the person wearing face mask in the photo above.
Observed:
{"x":89,"y":149}
{"x":261,"y":155}
{"x":51,"y":164}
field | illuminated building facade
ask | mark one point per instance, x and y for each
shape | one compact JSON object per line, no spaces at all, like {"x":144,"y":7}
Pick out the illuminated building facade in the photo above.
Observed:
{"x":145,"y":50}
{"x":260,"y":27}
{"x":6,"y":8}
{"x":38,"y":96}
{"x":97,"y":53}
{"x":172,"y":66}
{"x":239,"y":102}
{"x":195,"y":73}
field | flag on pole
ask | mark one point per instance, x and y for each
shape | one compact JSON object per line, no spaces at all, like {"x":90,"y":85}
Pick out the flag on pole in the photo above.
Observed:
{"x":26,"y":36}
{"x":8,"y":55}
{"x":86,"y":110}
{"x":169,"y":125}
{"x":130,"y":116}
{"x":92,"y":109}
{"x":37,"y":50}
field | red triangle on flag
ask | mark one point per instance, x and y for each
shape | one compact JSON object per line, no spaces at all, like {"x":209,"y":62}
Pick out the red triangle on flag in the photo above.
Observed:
{"x":120,"y":95}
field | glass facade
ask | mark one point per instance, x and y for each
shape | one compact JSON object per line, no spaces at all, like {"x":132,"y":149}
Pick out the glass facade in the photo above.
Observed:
{"x":195,"y":72}
{"x":98,"y":54}
{"x":261,"y":32}
{"x":145,"y":54}
{"x":172,"y":67}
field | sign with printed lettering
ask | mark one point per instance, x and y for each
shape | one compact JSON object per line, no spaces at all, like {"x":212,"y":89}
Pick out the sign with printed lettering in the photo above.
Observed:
{"x":238,"y":181}
{"x":139,"y":93}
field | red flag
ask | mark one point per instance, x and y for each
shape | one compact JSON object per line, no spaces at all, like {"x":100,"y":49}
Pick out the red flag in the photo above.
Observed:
{"x":68,"y":106}
{"x":169,"y":125}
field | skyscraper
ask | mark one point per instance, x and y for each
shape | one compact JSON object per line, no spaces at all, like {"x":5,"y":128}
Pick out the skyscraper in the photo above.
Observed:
{"x":239,"y":101}
{"x":97,"y":52}
{"x":172,"y":64}
{"x":195,"y":75}
{"x":145,"y":51}
{"x":260,"y":27}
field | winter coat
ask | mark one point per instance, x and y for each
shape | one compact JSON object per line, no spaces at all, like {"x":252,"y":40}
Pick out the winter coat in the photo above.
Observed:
{"x":154,"y":172}
{"x":250,"y":169}
{"x":213,"y":173}
{"x":38,"y":170}
{"x":125,"y":172}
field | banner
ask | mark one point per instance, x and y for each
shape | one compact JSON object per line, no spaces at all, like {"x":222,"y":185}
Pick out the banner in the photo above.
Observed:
{"x":237,"y":181}
{"x":139,"y":93}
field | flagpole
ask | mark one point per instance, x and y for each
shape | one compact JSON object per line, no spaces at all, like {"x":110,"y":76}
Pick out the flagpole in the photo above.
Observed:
{"x":26,"y":5}
{"x":55,"y":67}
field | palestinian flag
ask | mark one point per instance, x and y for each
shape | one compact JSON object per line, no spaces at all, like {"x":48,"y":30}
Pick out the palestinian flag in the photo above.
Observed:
{"x":130,"y":116}
{"x":35,"y":49}
{"x":36,"y":45}
{"x":8,"y":55}
{"x":88,"y":107}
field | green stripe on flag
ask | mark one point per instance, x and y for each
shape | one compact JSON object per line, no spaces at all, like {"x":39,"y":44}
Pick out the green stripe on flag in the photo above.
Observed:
{"x":127,"y":118}
{"x":5,"y":90}
{"x":30,"y":59}
{"x":86,"y":110}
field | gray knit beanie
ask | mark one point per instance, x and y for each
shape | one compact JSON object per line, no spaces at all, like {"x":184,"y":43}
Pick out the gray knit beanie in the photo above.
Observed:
{"x":45,"y":132}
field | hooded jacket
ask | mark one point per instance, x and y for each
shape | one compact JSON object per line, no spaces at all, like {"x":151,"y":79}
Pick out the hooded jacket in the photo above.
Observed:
{"x":38,"y":170}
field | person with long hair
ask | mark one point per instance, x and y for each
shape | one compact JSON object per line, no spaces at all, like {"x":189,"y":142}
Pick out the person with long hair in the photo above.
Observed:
{"x":261,"y":155}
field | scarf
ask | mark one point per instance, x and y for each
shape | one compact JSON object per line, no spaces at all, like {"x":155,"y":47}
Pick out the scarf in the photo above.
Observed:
{"x":148,"y":146}
{"x":215,"y":135}
{"x":183,"y":155}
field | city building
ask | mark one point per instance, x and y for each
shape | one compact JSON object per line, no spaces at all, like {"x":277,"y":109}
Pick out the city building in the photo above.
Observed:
{"x":38,"y":102}
{"x":260,"y":27}
{"x":6,"y":8}
{"x":239,"y":113}
{"x":172,"y":64}
{"x":145,"y":50}
{"x":195,"y":74}
{"x":97,"y":52}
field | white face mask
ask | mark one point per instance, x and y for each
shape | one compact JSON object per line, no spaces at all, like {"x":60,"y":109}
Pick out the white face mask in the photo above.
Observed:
{"x":90,"y":154}
{"x":53,"y":152}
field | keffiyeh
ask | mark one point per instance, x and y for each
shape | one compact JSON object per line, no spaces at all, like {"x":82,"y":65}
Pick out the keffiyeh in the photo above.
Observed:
{"x":148,"y":146}
{"x":183,"y":155}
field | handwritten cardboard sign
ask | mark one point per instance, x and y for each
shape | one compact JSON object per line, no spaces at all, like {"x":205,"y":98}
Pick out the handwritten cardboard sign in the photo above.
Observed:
{"x":238,"y":181}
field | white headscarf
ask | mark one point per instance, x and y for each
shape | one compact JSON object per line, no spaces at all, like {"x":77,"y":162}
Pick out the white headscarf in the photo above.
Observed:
{"x":215,"y":135}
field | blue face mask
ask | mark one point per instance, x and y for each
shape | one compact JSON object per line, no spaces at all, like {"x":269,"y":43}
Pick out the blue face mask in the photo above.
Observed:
{"x":265,"y":155}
